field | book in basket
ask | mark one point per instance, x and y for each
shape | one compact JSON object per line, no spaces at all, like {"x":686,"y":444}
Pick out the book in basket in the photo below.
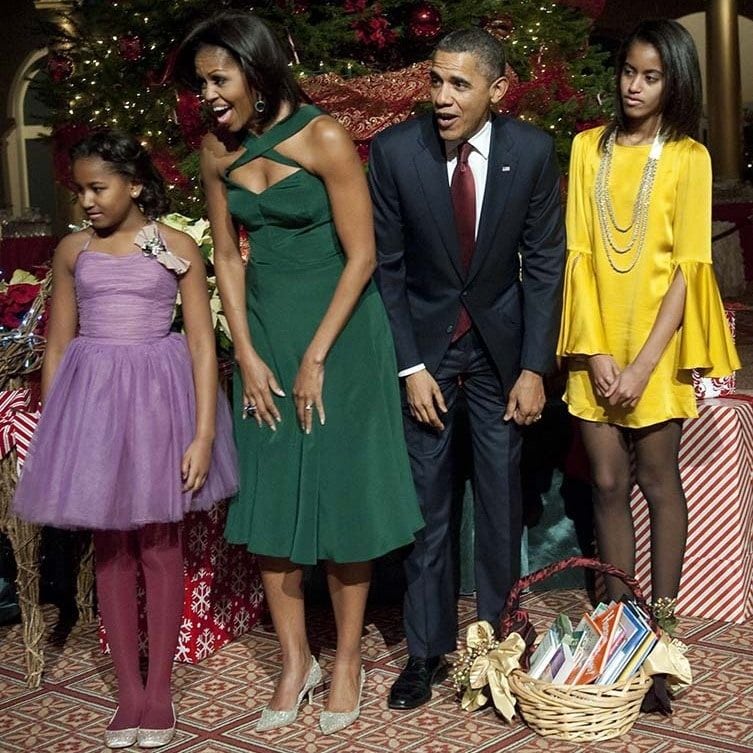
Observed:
{"x":638,"y":641}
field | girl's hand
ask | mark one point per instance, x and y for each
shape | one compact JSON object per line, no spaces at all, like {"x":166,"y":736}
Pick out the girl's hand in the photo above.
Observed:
{"x":195,"y":464}
{"x":604,"y":372}
{"x":307,"y":392}
{"x":258,"y":385}
{"x":627,"y":389}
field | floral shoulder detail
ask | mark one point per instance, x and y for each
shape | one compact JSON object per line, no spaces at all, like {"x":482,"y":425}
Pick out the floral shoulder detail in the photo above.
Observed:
{"x":151,"y":244}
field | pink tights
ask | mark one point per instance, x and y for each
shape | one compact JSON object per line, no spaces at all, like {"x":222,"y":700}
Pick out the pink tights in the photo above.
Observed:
{"x":157,"y":548}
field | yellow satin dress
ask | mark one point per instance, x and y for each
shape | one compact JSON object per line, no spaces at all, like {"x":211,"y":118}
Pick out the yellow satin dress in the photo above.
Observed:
{"x":613,"y":312}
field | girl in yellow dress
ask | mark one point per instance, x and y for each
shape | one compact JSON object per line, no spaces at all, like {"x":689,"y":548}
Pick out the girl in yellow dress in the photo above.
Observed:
{"x":641,"y":304}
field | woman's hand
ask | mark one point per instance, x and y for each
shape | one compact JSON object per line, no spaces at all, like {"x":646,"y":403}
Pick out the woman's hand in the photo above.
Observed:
{"x":627,"y":389}
{"x":259,"y":384}
{"x":604,"y":371}
{"x":195,"y":464}
{"x":307,"y":392}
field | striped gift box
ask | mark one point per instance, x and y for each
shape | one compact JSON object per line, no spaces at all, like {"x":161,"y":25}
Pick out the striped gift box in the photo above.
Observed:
{"x":17,"y":423}
{"x":716,"y":465}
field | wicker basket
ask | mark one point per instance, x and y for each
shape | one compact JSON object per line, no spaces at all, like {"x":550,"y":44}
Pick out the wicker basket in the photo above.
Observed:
{"x":580,"y":713}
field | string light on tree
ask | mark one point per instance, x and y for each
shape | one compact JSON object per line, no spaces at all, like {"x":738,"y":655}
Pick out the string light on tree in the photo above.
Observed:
{"x":123,"y":60}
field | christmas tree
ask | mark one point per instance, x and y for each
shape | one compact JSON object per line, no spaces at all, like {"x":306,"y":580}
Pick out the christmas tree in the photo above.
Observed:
{"x":362,"y":61}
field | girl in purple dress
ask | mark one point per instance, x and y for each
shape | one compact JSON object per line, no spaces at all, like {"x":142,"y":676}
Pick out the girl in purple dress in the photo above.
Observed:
{"x":132,"y":434}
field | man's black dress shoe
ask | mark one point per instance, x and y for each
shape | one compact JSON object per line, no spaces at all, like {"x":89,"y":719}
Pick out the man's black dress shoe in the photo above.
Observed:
{"x":413,"y":688}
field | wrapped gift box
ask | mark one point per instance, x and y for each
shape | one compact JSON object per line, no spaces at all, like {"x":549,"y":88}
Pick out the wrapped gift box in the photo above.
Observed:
{"x":716,"y":465}
{"x":223,"y":595}
{"x":708,"y":387}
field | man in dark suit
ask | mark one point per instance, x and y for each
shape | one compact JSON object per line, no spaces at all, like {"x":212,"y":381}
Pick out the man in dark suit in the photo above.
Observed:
{"x":470,"y":243}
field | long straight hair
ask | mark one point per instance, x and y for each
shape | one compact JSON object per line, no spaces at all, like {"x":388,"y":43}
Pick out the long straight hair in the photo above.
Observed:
{"x":253,"y":46}
{"x":681,"y":100}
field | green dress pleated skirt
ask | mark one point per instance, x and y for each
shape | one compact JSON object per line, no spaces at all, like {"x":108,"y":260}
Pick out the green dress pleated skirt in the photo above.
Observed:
{"x":345,"y":491}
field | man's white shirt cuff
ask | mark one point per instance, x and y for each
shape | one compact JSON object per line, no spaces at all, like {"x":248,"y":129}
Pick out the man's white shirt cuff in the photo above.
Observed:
{"x":412,"y":370}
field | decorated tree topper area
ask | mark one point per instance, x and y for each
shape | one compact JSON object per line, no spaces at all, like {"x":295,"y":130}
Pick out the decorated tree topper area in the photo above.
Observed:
{"x":364,"y":62}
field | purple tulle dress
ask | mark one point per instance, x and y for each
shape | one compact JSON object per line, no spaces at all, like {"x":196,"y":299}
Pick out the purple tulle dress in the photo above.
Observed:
{"x":121,"y":410}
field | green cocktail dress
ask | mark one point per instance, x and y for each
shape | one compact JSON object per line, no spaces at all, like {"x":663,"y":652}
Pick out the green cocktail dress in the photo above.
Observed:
{"x":345,"y":491}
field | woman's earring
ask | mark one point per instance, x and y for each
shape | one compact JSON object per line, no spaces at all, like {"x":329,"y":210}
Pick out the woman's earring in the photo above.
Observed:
{"x":260,"y":105}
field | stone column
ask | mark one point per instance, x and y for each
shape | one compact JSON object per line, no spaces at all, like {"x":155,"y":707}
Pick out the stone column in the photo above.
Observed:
{"x":723,"y":89}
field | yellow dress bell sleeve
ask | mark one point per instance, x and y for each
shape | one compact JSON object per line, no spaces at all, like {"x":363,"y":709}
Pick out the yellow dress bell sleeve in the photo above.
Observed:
{"x":581,"y":326}
{"x":705,"y":341}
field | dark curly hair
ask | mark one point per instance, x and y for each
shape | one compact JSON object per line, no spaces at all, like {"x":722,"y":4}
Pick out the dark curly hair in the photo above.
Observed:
{"x":128,"y":158}
{"x":256,"y":50}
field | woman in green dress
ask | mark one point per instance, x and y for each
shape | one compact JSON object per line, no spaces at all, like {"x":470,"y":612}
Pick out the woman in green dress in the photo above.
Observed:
{"x":324,"y":469}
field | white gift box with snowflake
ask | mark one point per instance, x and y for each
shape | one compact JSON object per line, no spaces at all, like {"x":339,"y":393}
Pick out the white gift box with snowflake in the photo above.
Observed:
{"x":223,"y":596}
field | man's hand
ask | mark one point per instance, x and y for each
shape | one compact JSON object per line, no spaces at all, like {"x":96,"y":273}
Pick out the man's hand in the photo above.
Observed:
{"x":424,"y":398}
{"x":526,"y":399}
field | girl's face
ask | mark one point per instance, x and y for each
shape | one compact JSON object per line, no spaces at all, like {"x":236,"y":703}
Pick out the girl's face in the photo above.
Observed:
{"x":642,"y":82}
{"x":224,"y":88}
{"x":106,"y":196}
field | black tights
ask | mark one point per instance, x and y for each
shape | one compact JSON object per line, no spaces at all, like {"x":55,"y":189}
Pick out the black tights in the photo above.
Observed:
{"x":657,"y":474}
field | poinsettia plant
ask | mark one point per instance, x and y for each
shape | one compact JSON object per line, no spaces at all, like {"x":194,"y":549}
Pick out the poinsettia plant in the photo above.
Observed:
{"x":16,"y":298}
{"x":199,"y":231}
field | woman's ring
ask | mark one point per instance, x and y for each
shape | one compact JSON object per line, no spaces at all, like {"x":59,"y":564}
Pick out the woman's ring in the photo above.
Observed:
{"x":537,"y":418}
{"x":308,"y":406}
{"x":249,"y":409}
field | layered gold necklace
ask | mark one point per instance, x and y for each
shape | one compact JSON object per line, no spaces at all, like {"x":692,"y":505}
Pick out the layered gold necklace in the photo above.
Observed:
{"x":637,"y":228}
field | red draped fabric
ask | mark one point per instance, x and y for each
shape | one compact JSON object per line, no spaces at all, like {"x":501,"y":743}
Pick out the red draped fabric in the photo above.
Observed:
{"x":24,"y":253}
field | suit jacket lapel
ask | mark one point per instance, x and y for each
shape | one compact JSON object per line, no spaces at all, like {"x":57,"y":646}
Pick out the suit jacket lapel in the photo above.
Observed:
{"x":500,"y":177}
{"x":431,"y":172}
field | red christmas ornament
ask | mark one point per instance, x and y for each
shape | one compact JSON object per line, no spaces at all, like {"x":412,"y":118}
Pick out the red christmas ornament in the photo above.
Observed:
{"x":60,"y":67}
{"x":130,"y":48}
{"x":424,"y":22}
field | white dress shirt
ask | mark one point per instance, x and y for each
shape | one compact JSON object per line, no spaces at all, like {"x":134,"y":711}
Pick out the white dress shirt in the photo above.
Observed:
{"x":478,"y":161}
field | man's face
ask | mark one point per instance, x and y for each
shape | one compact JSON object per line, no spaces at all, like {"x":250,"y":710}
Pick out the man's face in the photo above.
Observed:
{"x":462,"y":94}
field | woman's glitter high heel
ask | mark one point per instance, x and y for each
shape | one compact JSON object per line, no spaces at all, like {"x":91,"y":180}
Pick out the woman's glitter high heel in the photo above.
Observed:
{"x":334,"y":721}
{"x":271,"y":719}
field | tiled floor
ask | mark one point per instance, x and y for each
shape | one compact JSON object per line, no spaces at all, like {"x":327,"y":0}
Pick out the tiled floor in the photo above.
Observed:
{"x":219,"y":700}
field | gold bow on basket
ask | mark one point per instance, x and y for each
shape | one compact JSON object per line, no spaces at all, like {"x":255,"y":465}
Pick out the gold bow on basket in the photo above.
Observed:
{"x":487,"y":662}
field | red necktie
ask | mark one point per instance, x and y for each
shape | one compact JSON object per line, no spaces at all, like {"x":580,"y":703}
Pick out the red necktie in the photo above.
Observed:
{"x":463,"y":193}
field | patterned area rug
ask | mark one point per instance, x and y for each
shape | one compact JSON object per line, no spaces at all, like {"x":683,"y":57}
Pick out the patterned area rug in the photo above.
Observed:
{"x":219,"y":700}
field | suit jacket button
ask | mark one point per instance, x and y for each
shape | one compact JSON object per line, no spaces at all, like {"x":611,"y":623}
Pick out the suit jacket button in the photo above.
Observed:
{"x":464,"y":293}
{"x":449,"y":329}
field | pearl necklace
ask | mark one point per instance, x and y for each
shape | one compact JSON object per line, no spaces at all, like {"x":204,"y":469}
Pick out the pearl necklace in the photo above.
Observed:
{"x":638,"y":225}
